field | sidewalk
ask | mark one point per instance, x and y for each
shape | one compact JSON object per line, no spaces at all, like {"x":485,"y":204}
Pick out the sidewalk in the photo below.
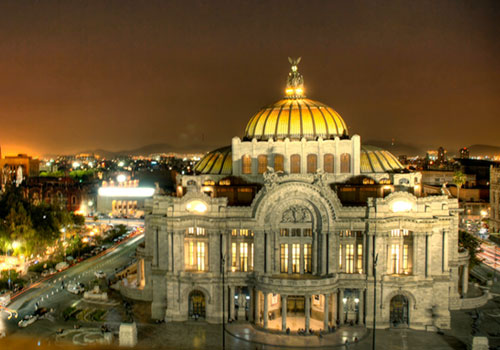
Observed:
{"x":248,"y":333}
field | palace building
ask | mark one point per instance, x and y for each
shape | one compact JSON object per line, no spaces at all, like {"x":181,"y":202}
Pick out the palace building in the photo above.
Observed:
{"x":294,"y":224}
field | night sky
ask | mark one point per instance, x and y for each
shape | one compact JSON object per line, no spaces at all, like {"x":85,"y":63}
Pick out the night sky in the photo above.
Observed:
{"x":82,"y":75}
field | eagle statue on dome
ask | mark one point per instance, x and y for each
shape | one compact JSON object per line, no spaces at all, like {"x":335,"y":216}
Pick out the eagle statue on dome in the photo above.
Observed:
{"x":295,"y":80}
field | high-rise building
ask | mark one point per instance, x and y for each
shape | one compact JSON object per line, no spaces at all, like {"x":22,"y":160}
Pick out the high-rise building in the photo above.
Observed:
{"x":464,"y":153}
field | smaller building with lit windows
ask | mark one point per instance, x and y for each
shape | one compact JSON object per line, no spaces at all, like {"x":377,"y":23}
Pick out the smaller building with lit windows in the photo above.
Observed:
{"x":283,"y":227}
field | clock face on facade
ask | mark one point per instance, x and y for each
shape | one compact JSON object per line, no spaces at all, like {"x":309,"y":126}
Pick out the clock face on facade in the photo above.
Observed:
{"x":196,"y":207}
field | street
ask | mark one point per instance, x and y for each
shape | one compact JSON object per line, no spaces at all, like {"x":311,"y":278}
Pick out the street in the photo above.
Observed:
{"x":49,"y":293}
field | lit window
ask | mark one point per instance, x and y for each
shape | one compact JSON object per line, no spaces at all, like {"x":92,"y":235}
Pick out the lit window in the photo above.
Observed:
{"x":307,"y":258}
{"x":191,"y":253}
{"x":262,"y":163}
{"x":244,"y":233}
{"x":234,"y":232}
{"x":284,"y":232}
{"x":395,"y":258}
{"x":405,"y":258}
{"x":244,"y":257}
{"x":233,"y":256}
{"x":295,"y":164}
{"x":312,"y":163}
{"x":349,"y":254}
{"x":360,"y":258}
{"x":251,"y":257}
{"x":345,"y":163}
{"x":278,"y":162}
{"x":284,"y":258}
{"x":307,"y":232}
{"x":200,"y":231}
{"x":328,"y":164}
{"x":246,"y":164}
{"x":296,"y":258}
{"x":201,"y":255}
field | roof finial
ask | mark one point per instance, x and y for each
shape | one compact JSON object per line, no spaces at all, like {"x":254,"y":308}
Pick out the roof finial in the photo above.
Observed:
{"x":295,"y":80}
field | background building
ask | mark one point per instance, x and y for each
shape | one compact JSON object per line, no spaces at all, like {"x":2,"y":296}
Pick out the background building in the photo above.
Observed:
{"x":495,"y":199}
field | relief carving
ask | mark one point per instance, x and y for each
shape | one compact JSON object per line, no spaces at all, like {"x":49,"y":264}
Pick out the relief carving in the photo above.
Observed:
{"x":296,"y":214}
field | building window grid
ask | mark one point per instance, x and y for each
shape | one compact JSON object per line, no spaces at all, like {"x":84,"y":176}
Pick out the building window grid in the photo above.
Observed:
{"x":351,"y":251}
{"x":400,"y":252}
{"x":307,"y":258}
{"x":195,"y":255}
{"x":295,"y":164}
{"x":279,"y":162}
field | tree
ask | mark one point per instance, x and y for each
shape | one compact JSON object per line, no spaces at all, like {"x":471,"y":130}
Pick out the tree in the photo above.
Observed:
{"x":472,"y":244}
{"x":459,"y":180}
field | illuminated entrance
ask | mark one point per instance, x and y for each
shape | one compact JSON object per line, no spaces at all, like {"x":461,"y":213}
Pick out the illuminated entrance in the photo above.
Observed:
{"x":296,"y":304}
{"x":399,"y":311}
{"x":196,"y":304}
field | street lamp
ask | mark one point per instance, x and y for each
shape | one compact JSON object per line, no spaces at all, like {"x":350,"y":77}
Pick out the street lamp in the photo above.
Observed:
{"x":375,"y":258}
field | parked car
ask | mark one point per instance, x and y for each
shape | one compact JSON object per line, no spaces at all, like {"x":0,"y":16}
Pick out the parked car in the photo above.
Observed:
{"x":27,"y":320}
{"x":62,"y":266}
{"x":100,"y":274}
{"x":76,"y":288}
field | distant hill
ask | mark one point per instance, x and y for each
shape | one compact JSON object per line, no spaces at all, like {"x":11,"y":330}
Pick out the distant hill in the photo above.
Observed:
{"x":484,"y":150}
{"x":152,"y":149}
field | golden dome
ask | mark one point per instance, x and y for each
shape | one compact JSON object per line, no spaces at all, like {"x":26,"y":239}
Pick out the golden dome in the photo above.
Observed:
{"x":376,"y":160}
{"x":295,"y":118}
{"x":218,"y":162}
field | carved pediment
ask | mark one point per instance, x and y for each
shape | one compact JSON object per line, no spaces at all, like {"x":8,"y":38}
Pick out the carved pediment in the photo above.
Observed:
{"x":296,"y":213}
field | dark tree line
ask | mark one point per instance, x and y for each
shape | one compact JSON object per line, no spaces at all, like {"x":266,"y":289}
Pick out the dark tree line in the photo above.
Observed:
{"x":26,"y":228}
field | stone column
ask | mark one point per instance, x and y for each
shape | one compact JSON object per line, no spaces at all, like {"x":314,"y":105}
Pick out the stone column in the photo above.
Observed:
{"x":323,"y":254}
{"x":428,"y":265}
{"x":369,"y":255}
{"x":334,"y":308}
{"x":256,"y":305}
{"x":266,"y":309}
{"x":361,"y":307}
{"x":284,"y":301}
{"x":326,"y":311}
{"x":251,"y":307}
{"x":307,"y":311}
{"x":231,"y":303}
{"x":465,"y":279}
{"x":314,"y":252}
{"x":341,"y":306}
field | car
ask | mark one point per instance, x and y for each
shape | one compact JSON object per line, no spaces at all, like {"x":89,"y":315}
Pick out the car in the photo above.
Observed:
{"x":27,"y":320}
{"x":42,"y":311}
{"x":75,"y":288}
{"x":100,"y":274}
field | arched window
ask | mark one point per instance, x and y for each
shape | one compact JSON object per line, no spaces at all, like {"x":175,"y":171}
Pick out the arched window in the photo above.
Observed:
{"x":312,"y":163}
{"x":294,"y":164}
{"x":246,"y":164}
{"x":345,"y":163}
{"x":262,"y":161}
{"x":328,"y":164}
{"x":278,"y":162}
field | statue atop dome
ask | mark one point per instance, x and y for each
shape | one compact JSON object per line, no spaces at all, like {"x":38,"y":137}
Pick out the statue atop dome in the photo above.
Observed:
{"x":295,"y":80}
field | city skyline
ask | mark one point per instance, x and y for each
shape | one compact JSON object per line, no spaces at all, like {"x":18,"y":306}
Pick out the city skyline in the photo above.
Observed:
{"x":79,"y":77}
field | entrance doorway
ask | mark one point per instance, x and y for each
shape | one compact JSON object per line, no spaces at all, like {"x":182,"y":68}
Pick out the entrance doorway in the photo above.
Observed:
{"x":196,"y":304}
{"x":399,"y":311}
{"x":296,"y":305}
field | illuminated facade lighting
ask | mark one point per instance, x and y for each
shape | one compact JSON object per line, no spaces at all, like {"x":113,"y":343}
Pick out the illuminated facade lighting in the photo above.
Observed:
{"x":126,"y":191}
